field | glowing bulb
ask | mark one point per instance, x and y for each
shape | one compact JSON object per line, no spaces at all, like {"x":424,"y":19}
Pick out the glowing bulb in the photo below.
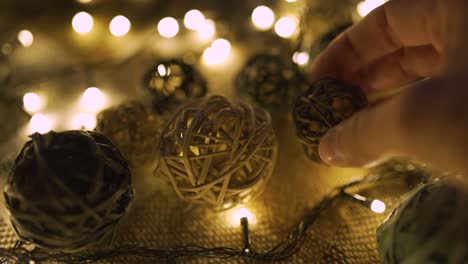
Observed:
{"x":168,"y":27}
{"x":85,"y":1}
{"x":207,"y":30}
{"x":242,"y":212}
{"x":222,"y":46}
{"x":218,"y":52}
{"x":378,"y":206}
{"x":119,"y":26}
{"x":285,"y":27}
{"x":163,"y":70}
{"x":300,"y":58}
{"x":365,"y":7}
{"x":263,"y":17}
{"x":194,"y":19}
{"x":82,"y":22}
{"x":291,"y":1}
{"x":26,"y":38}
{"x":32,"y":102}
{"x":84,"y":121}
{"x":40,"y":124}
{"x":92,"y":99}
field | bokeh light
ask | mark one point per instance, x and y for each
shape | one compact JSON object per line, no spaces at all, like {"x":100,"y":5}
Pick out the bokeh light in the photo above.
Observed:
{"x":26,"y":38}
{"x":40,"y":123}
{"x":82,"y":23}
{"x":32,"y":102}
{"x":300,"y":58}
{"x":365,"y":7}
{"x":119,"y":26}
{"x":378,"y":206}
{"x":84,"y":121}
{"x":263,"y":17}
{"x":194,"y":19}
{"x":168,"y":27}
{"x":285,"y":27}
{"x":218,"y":52}
{"x":207,"y":30}
{"x":92,"y":99}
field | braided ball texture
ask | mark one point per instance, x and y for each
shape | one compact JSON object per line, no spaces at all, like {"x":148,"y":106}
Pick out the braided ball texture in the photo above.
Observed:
{"x":429,"y":226}
{"x":271,"y":82}
{"x":325,"y":104}
{"x":134,"y":130}
{"x":218,"y":152}
{"x":171,"y":83}
{"x":67,"y":191}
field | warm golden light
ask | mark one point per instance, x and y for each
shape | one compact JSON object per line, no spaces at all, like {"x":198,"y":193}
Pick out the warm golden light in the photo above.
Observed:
{"x":218,"y":51}
{"x":84,"y":121}
{"x":26,"y":38}
{"x":92,"y":99}
{"x":85,"y":1}
{"x":40,"y":124}
{"x":378,"y":206}
{"x":32,"y":102}
{"x":291,"y":1}
{"x":300,"y":58}
{"x":263,"y":17}
{"x":168,"y":27}
{"x":222,"y":46}
{"x":194,"y":20}
{"x":119,"y":26}
{"x":208,"y":29}
{"x":82,"y":23}
{"x":285,"y":27}
{"x":366,"y":6}
{"x":242,"y":212}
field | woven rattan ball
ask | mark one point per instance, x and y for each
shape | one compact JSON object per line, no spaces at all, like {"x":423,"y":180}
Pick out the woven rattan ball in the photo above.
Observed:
{"x":325,"y":104}
{"x":134,"y":129}
{"x":271,"y":82}
{"x":429,"y":226}
{"x":67,"y":191}
{"x":171,"y":83}
{"x":218,"y":152}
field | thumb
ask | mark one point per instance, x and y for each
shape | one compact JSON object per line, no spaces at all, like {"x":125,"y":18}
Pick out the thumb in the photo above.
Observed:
{"x":426,"y":122}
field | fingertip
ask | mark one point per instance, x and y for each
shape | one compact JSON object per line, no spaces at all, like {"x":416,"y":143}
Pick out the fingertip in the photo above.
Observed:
{"x":329,"y":149}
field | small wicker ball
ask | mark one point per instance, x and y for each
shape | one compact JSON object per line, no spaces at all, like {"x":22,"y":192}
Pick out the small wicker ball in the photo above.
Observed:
{"x":171,"y":83}
{"x":134,"y":129}
{"x":67,"y":191}
{"x":325,"y":104}
{"x":218,"y":152}
{"x":429,"y":226}
{"x":271,"y":82}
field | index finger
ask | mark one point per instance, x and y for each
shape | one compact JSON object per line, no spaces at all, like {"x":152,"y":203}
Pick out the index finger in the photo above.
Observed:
{"x":396,"y":24}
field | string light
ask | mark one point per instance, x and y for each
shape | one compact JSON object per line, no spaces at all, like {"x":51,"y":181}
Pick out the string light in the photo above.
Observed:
{"x":366,"y":6}
{"x":300,"y":58}
{"x":26,"y":38}
{"x":168,"y":27}
{"x":40,"y":123}
{"x":82,"y":23}
{"x":263,"y":17}
{"x":119,"y":26}
{"x":290,"y":1}
{"x":84,"y":121}
{"x":378,"y":206}
{"x":241,"y":213}
{"x":85,"y":1}
{"x":285,"y":27}
{"x":194,"y":20}
{"x":32,"y":102}
{"x":217,"y":52}
{"x":92,"y":99}
{"x":207,"y":30}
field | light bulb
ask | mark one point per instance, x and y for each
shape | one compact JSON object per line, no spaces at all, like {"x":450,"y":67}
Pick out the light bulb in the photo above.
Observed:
{"x":194,"y":19}
{"x":25,"y":37}
{"x":300,"y":58}
{"x":285,"y":27}
{"x":92,"y":99}
{"x":222,"y":46}
{"x":84,"y":120}
{"x":40,"y":124}
{"x":119,"y":26}
{"x":168,"y":27}
{"x":378,"y":206}
{"x":240,"y":213}
{"x":207,"y":30}
{"x":32,"y":102}
{"x":82,"y":23}
{"x":263,"y":17}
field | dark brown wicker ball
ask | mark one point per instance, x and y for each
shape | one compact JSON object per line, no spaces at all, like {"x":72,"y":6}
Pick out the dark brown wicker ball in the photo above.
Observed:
{"x":325,"y":104}
{"x":67,"y":191}
{"x":134,"y":129}
{"x":271,"y":82}
{"x":218,"y":152}
{"x":172,"y":83}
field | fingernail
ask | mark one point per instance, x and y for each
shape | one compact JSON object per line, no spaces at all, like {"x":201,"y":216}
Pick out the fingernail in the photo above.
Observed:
{"x":329,"y":150}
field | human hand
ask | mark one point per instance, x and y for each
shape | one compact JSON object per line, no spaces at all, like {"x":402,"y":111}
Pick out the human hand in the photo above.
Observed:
{"x":396,"y":45}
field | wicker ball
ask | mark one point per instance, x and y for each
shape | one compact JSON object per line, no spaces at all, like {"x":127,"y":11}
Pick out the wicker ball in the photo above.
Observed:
{"x":134,"y":130}
{"x":325,"y":104}
{"x":429,"y":226}
{"x":218,"y":152}
{"x":67,"y":191}
{"x":270,"y":82}
{"x":172,"y":83}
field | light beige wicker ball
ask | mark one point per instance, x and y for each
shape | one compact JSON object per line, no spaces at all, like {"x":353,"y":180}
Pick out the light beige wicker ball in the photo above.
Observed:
{"x":218,"y":152}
